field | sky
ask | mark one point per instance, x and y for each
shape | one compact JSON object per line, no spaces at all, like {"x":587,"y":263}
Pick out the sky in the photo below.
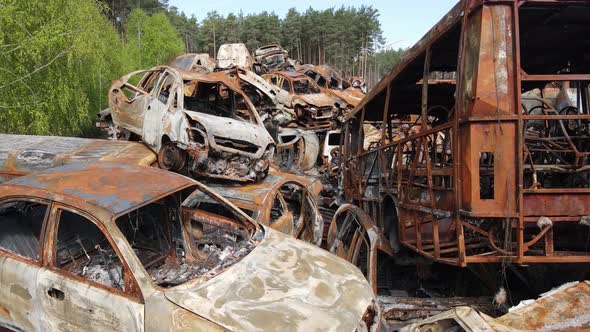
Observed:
{"x":403,"y":22}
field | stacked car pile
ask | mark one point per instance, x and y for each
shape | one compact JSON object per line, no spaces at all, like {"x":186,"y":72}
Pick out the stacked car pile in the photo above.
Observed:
{"x":233,"y":117}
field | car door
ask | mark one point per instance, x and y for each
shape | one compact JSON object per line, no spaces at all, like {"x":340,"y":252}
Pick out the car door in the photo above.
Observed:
{"x":85,"y":284}
{"x":308,"y":224}
{"x":21,"y":227}
{"x":161,"y":100}
{"x":128,"y":102}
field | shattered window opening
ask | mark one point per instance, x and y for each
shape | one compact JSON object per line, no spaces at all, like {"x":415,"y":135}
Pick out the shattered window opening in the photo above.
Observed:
{"x":216,"y":99}
{"x":83,"y":249}
{"x":176,"y":245}
{"x":305,"y":87}
{"x":286,"y":85}
{"x":21,"y":223}
{"x":277,"y":210}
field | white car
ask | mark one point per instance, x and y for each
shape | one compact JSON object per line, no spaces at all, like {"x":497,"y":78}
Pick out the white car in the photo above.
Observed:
{"x":203,"y":124}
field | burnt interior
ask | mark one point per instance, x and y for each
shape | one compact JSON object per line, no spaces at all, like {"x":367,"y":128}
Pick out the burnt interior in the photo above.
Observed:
{"x":216,"y":99}
{"x":84,"y":250}
{"x":556,"y":149}
{"x":172,"y":250}
{"x":21,"y":227}
{"x":554,"y":37}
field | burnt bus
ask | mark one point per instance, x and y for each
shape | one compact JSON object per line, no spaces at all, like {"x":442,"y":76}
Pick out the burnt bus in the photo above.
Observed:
{"x":483,"y":153}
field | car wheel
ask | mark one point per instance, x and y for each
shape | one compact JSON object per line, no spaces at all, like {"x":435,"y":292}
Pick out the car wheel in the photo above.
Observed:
{"x":171,"y":157}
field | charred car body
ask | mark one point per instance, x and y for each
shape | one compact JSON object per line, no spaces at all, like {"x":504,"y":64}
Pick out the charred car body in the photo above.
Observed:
{"x":272,"y":57}
{"x":329,"y":79}
{"x":297,"y":149}
{"x":230,"y":55}
{"x":314,"y":109}
{"x":111,"y":247}
{"x":200,"y":123}
{"x":199,"y":62}
{"x":282,"y":201}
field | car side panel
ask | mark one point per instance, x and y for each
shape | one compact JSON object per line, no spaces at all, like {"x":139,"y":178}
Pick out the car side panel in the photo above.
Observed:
{"x":85,"y":306}
{"x":18,"y":299}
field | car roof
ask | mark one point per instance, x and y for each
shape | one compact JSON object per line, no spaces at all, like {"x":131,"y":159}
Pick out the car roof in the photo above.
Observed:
{"x":23,"y":154}
{"x":292,"y":74}
{"x":113,"y":187}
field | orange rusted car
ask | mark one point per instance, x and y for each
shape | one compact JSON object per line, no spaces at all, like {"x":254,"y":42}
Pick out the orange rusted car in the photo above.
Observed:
{"x":330,"y":80}
{"x":314,"y":109}
{"x":113,"y":247}
{"x":283,"y":201}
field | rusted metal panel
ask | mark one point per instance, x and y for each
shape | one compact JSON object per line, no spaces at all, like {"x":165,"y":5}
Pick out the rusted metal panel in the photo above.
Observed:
{"x":114,"y":187}
{"x":21,"y":154}
{"x":562,"y":309}
{"x":251,"y":300}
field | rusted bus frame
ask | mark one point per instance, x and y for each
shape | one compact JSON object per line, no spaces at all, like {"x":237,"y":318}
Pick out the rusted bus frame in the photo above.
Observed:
{"x":442,"y":27}
{"x":392,"y":169}
{"x":461,"y":218}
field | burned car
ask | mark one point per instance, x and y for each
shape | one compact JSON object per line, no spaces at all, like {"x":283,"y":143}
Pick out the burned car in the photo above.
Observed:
{"x":199,"y":62}
{"x":354,"y":236}
{"x":116,"y":247}
{"x":282,"y":201}
{"x":230,"y":55}
{"x":314,"y":109}
{"x":203,"y":124}
{"x":23,"y":154}
{"x":329,"y":79}
{"x":272,"y":57}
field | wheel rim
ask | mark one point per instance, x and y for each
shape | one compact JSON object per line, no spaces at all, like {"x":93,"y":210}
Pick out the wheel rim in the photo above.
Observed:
{"x":171,"y":158}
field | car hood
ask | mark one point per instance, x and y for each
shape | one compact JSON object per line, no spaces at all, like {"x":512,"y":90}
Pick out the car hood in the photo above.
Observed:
{"x":351,"y":96}
{"x":317,"y":99}
{"x":282,"y":284}
{"x":232,"y":129}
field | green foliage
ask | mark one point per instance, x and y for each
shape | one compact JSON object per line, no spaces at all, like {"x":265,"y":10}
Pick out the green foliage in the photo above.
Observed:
{"x":387,"y":59}
{"x":59,"y":57}
{"x":56,"y":63}
{"x":152,"y":40}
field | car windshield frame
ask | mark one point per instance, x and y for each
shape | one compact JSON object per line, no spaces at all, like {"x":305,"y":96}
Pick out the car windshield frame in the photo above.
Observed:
{"x":196,"y":188}
{"x":301,"y":88}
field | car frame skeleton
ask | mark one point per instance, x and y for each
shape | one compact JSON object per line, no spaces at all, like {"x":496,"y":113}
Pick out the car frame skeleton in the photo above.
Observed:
{"x":124,"y":247}
{"x":203,"y":124}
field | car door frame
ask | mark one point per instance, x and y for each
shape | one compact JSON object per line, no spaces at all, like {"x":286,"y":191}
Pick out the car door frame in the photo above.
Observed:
{"x":130,"y":301}
{"x":158,"y":114}
{"x":21,"y":294}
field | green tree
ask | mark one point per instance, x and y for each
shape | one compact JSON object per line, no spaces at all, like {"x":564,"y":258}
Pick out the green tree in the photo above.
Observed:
{"x":152,"y":40}
{"x":57,"y":60}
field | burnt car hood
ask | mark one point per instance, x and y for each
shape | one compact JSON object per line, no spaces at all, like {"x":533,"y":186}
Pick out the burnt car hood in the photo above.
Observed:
{"x":317,"y":99}
{"x":281,"y":284}
{"x":351,"y":96}
{"x":234,"y":130}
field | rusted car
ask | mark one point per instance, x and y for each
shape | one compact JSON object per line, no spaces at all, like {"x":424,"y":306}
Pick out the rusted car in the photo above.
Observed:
{"x":23,"y":154}
{"x":111,"y":248}
{"x":284,"y":202}
{"x":203,"y":124}
{"x":355,"y":237}
{"x":272,"y":57}
{"x":314,"y":109}
{"x":199,"y":62}
{"x":329,"y":79}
